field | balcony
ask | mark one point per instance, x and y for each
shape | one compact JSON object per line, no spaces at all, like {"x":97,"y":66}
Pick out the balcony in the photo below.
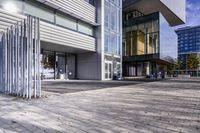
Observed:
{"x":79,"y":9}
{"x":61,"y":36}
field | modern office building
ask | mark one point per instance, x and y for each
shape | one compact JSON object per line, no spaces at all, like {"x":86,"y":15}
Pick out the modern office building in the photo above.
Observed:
{"x":149,"y":41}
{"x":70,"y":39}
{"x":188,"y":43}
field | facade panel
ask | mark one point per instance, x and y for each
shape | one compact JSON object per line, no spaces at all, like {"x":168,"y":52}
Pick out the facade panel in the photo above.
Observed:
{"x":77,"y":8}
{"x":180,"y":10}
{"x":149,"y":44}
{"x":168,"y":8}
{"x":112,"y":63}
{"x":57,"y":35}
{"x":112,"y":27}
{"x":168,"y":41}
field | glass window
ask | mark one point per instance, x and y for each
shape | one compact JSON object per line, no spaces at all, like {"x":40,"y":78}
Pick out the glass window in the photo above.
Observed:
{"x":113,"y":43}
{"x":141,"y":28}
{"x":107,"y":41}
{"x":149,"y":27}
{"x":140,"y":44}
{"x":142,"y":38}
{"x":39,"y":11}
{"x":48,"y":65}
{"x":85,"y":28}
{"x":113,"y":18}
{"x":66,"y":22}
{"x":107,"y":14}
{"x":112,"y":26}
{"x":168,"y":40}
{"x":155,"y":26}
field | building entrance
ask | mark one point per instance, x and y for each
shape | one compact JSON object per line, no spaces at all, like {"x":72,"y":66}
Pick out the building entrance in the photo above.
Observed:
{"x":58,"y":65}
{"x":108,"y":70}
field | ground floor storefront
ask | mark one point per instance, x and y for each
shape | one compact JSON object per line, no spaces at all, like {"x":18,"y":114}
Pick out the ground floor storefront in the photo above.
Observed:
{"x":58,"y":65}
{"x":65,"y":64}
{"x":112,"y":68}
{"x":148,"y":68}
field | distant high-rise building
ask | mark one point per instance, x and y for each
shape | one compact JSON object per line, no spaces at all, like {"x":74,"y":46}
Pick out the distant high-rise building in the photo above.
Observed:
{"x":188,"y":43}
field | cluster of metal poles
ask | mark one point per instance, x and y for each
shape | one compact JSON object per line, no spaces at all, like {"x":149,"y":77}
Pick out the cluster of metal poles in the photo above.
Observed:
{"x":20,"y":59}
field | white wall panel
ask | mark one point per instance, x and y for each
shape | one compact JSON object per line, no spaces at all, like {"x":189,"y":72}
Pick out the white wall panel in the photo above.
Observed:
{"x":7,"y":19}
{"x":77,"y":8}
{"x":62,"y":36}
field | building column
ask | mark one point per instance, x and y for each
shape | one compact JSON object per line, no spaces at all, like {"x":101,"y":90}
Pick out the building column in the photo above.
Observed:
{"x":148,"y":68}
{"x":156,"y":73}
{"x":136,"y":69}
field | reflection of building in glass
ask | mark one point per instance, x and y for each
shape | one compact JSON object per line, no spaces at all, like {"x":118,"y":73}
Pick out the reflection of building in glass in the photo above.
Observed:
{"x":188,"y":43}
{"x":149,"y":42}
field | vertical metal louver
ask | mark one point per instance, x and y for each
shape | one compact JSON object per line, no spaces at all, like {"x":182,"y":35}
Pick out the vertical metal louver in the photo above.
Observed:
{"x":20,"y":59}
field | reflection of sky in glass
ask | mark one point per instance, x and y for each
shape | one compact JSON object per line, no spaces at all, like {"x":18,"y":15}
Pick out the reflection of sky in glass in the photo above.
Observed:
{"x":192,"y":13}
{"x":168,"y":40}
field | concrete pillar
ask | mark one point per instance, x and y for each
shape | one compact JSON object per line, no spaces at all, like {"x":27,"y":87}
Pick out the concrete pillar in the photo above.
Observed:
{"x":148,"y":68}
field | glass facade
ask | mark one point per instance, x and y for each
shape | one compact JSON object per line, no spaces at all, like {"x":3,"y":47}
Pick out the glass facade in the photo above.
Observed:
{"x":150,"y":34}
{"x":149,"y":44}
{"x":188,"y":40}
{"x":58,"y":65}
{"x":33,"y":9}
{"x":141,"y":38}
{"x":85,"y":28}
{"x":112,"y":26}
{"x":168,"y":41}
{"x":67,"y":22}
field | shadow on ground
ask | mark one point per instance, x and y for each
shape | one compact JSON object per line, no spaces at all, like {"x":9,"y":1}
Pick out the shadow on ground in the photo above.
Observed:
{"x":74,"y":86}
{"x":81,"y":85}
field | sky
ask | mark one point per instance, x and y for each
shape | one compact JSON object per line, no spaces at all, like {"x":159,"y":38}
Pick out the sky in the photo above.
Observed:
{"x":192,"y":13}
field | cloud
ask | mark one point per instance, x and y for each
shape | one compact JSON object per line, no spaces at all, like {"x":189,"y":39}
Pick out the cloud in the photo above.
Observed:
{"x":192,"y":12}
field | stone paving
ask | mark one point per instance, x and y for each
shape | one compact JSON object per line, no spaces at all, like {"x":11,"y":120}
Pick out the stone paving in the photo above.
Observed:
{"x":106,"y":107}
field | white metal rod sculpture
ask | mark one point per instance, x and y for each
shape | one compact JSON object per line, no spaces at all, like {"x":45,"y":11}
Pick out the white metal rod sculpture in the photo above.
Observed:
{"x":20,"y":59}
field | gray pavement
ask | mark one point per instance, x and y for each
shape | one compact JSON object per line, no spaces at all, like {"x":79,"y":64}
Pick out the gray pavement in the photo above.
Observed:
{"x":106,"y":107}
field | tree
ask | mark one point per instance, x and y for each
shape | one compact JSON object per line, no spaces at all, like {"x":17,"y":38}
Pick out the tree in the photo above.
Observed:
{"x":193,"y":61}
{"x":178,"y":65}
{"x":170,"y":68}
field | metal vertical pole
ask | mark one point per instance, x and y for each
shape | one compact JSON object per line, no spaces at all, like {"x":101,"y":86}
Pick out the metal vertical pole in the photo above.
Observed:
{"x":12,"y":58}
{"x":17,"y":59}
{"x":1,"y":64}
{"x":24,"y":63}
{"x":35,"y":34}
{"x":9,"y":62}
{"x":30,"y":57}
{"x":5,"y":59}
{"x":38,"y":65}
{"x":27,"y":56}
{"x":22,"y":59}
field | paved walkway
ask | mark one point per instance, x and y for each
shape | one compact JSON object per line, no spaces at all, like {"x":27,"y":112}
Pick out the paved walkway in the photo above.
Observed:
{"x":133,"y":107}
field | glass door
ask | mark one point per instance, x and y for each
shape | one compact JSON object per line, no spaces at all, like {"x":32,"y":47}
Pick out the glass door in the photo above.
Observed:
{"x":60,"y":66}
{"x":108,"y":71}
{"x":48,"y":64}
